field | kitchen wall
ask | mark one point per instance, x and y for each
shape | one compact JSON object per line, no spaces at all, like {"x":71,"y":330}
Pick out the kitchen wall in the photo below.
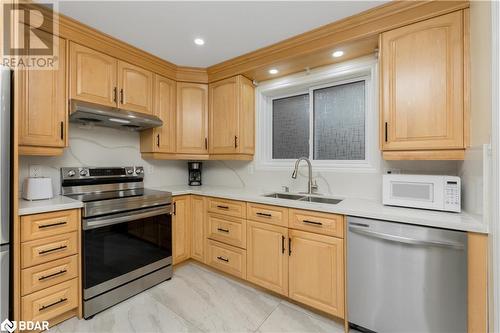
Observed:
{"x":241,"y":174}
{"x":475,"y":169}
{"x":105,"y":147}
{"x":109,"y":147}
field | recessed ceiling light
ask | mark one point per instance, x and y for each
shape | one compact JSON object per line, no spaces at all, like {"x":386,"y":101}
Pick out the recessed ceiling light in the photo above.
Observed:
{"x":273,"y":71}
{"x":199,"y":41}
{"x":337,"y":54}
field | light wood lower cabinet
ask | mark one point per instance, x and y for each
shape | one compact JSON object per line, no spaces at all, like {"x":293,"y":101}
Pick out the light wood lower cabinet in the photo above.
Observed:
{"x":181,"y":226}
{"x":48,"y":274}
{"x":38,"y":226}
{"x":49,"y":281}
{"x":198,"y":228}
{"x":226,"y":229}
{"x":316,"y":271}
{"x":51,"y":302}
{"x":44,"y":250}
{"x":227,"y":258}
{"x":267,"y":256}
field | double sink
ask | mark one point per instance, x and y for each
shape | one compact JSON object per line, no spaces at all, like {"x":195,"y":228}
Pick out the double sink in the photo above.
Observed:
{"x":304,"y":197}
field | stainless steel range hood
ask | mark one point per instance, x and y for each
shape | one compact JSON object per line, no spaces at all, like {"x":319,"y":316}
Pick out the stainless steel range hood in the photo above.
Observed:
{"x":105,"y":116}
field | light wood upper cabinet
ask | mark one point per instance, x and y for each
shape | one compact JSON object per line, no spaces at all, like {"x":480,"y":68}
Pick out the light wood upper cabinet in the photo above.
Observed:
{"x":198,"y":228}
{"x":162,"y":139}
{"x":92,"y":76}
{"x":98,"y":78}
{"x":267,"y":256}
{"x":192,"y":118}
{"x":232,"y":116}
{"x":135,"y":88}
{"x":316,"y":271}
{"x":43,"y":117}
{"x":181,"y":229}
{"x":422,"y":85}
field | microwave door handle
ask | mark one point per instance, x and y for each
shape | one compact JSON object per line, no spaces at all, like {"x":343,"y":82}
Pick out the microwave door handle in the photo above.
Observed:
{"x":404,"y":240}
{"x":125,"y":217}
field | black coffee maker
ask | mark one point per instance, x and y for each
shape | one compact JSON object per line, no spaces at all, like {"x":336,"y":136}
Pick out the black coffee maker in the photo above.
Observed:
{"x":194,"y":173}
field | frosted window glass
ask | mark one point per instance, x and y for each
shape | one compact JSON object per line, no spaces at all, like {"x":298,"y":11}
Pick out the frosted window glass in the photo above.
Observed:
{"x":291,"y":127}
{"x":339,"y":122}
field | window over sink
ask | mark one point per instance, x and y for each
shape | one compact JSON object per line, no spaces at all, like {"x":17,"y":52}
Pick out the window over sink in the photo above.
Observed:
{"x":328,"y":115}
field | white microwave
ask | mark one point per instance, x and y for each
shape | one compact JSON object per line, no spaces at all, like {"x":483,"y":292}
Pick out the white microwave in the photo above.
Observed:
{"x":422,"y":191}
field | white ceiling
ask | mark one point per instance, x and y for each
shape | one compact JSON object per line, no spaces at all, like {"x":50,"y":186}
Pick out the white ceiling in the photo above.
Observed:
{"x":167,"y":29}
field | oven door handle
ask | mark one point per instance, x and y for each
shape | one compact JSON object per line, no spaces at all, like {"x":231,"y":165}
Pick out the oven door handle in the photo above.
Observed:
{"x":98,"y":222}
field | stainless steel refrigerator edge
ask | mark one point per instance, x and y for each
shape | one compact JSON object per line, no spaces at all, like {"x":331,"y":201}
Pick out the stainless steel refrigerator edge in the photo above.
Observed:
{"x":5,"y":189}
{"x":405,"y":278}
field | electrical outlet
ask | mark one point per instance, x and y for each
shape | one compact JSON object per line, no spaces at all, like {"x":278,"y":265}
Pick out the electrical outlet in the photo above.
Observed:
{"x":35,"y":171}
{"x":394,"y":171}
{"x":150,"y":169}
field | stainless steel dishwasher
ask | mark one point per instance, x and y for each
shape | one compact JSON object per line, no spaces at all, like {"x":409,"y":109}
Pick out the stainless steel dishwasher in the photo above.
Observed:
{"x":404,"y":278}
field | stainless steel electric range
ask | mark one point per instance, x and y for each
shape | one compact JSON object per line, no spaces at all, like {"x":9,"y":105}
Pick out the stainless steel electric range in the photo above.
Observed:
{"x":127,"y":233}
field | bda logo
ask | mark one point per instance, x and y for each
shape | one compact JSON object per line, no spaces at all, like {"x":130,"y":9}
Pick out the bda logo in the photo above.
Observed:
{"x":7,"y":325}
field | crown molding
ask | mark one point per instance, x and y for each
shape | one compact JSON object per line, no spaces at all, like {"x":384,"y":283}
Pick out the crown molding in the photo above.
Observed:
{"x":308,"y":50}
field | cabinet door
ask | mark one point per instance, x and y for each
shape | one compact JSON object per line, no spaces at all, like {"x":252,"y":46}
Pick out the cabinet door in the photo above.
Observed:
{"x":422,"y":97}
{"x":224,"y":116}
{"x":43,"y":103}
{"x":246,"y":137}
{"x":198,"y":228}
{"x":181,"y":229}
{"x":136,"y":88}
{"x":192,"y":118}
{"x":267,"y":256}
{"x":316,"y":271}
{"x":161,"y":139}
{"x":92,"y":76}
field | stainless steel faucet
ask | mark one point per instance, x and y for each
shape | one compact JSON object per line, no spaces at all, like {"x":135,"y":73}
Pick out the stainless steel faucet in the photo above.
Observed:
{"x":311,"y":186}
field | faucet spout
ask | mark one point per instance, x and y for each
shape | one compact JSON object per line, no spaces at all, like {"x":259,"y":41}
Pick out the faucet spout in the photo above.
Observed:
{"x":310,"y":185}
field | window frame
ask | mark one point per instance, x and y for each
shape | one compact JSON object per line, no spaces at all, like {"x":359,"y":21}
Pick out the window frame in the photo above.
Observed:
{"x":328,"y":76}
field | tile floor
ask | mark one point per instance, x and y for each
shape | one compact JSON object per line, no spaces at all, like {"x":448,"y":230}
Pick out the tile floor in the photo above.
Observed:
{"x":199,"y":300}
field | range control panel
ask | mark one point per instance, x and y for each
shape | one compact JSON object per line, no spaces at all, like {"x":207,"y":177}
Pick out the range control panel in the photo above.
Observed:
{"x":97,"y":172}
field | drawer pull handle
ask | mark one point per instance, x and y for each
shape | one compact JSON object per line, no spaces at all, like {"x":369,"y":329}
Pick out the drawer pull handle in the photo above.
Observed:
{"x":222,"y":207}
{"x":223,"y":230}
{"x":52,"y":304}
{"x":44,"y":277}
{"x":223,"y":259}
{"x":312,"y":222}
{"x":264,"y":214}
{"x":51,"y":225}
{"x":52,"y":250}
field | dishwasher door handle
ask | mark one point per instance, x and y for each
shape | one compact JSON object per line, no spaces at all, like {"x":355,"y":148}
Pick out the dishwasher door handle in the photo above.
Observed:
{"x":405,"y":240}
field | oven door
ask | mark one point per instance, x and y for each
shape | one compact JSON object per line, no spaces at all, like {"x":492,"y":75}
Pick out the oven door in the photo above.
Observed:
{"x":122,"y":247}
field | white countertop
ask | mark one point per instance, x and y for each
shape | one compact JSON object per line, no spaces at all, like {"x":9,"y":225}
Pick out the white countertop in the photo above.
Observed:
{"x":58,"y":202}
{"x":348,"y":206}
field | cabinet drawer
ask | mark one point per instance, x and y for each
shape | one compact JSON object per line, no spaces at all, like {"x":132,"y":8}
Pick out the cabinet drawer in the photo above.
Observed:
{"x":48,"y":224}
{"x":227,"y":229}
{"x":268,"y":214}
{"x":227,"y":258}
{"x":321,"y":223}
{"x":227,"y":207}
{"x":44,"y":250}
{"x":49,"y":274}
{"x":51,"y":302}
